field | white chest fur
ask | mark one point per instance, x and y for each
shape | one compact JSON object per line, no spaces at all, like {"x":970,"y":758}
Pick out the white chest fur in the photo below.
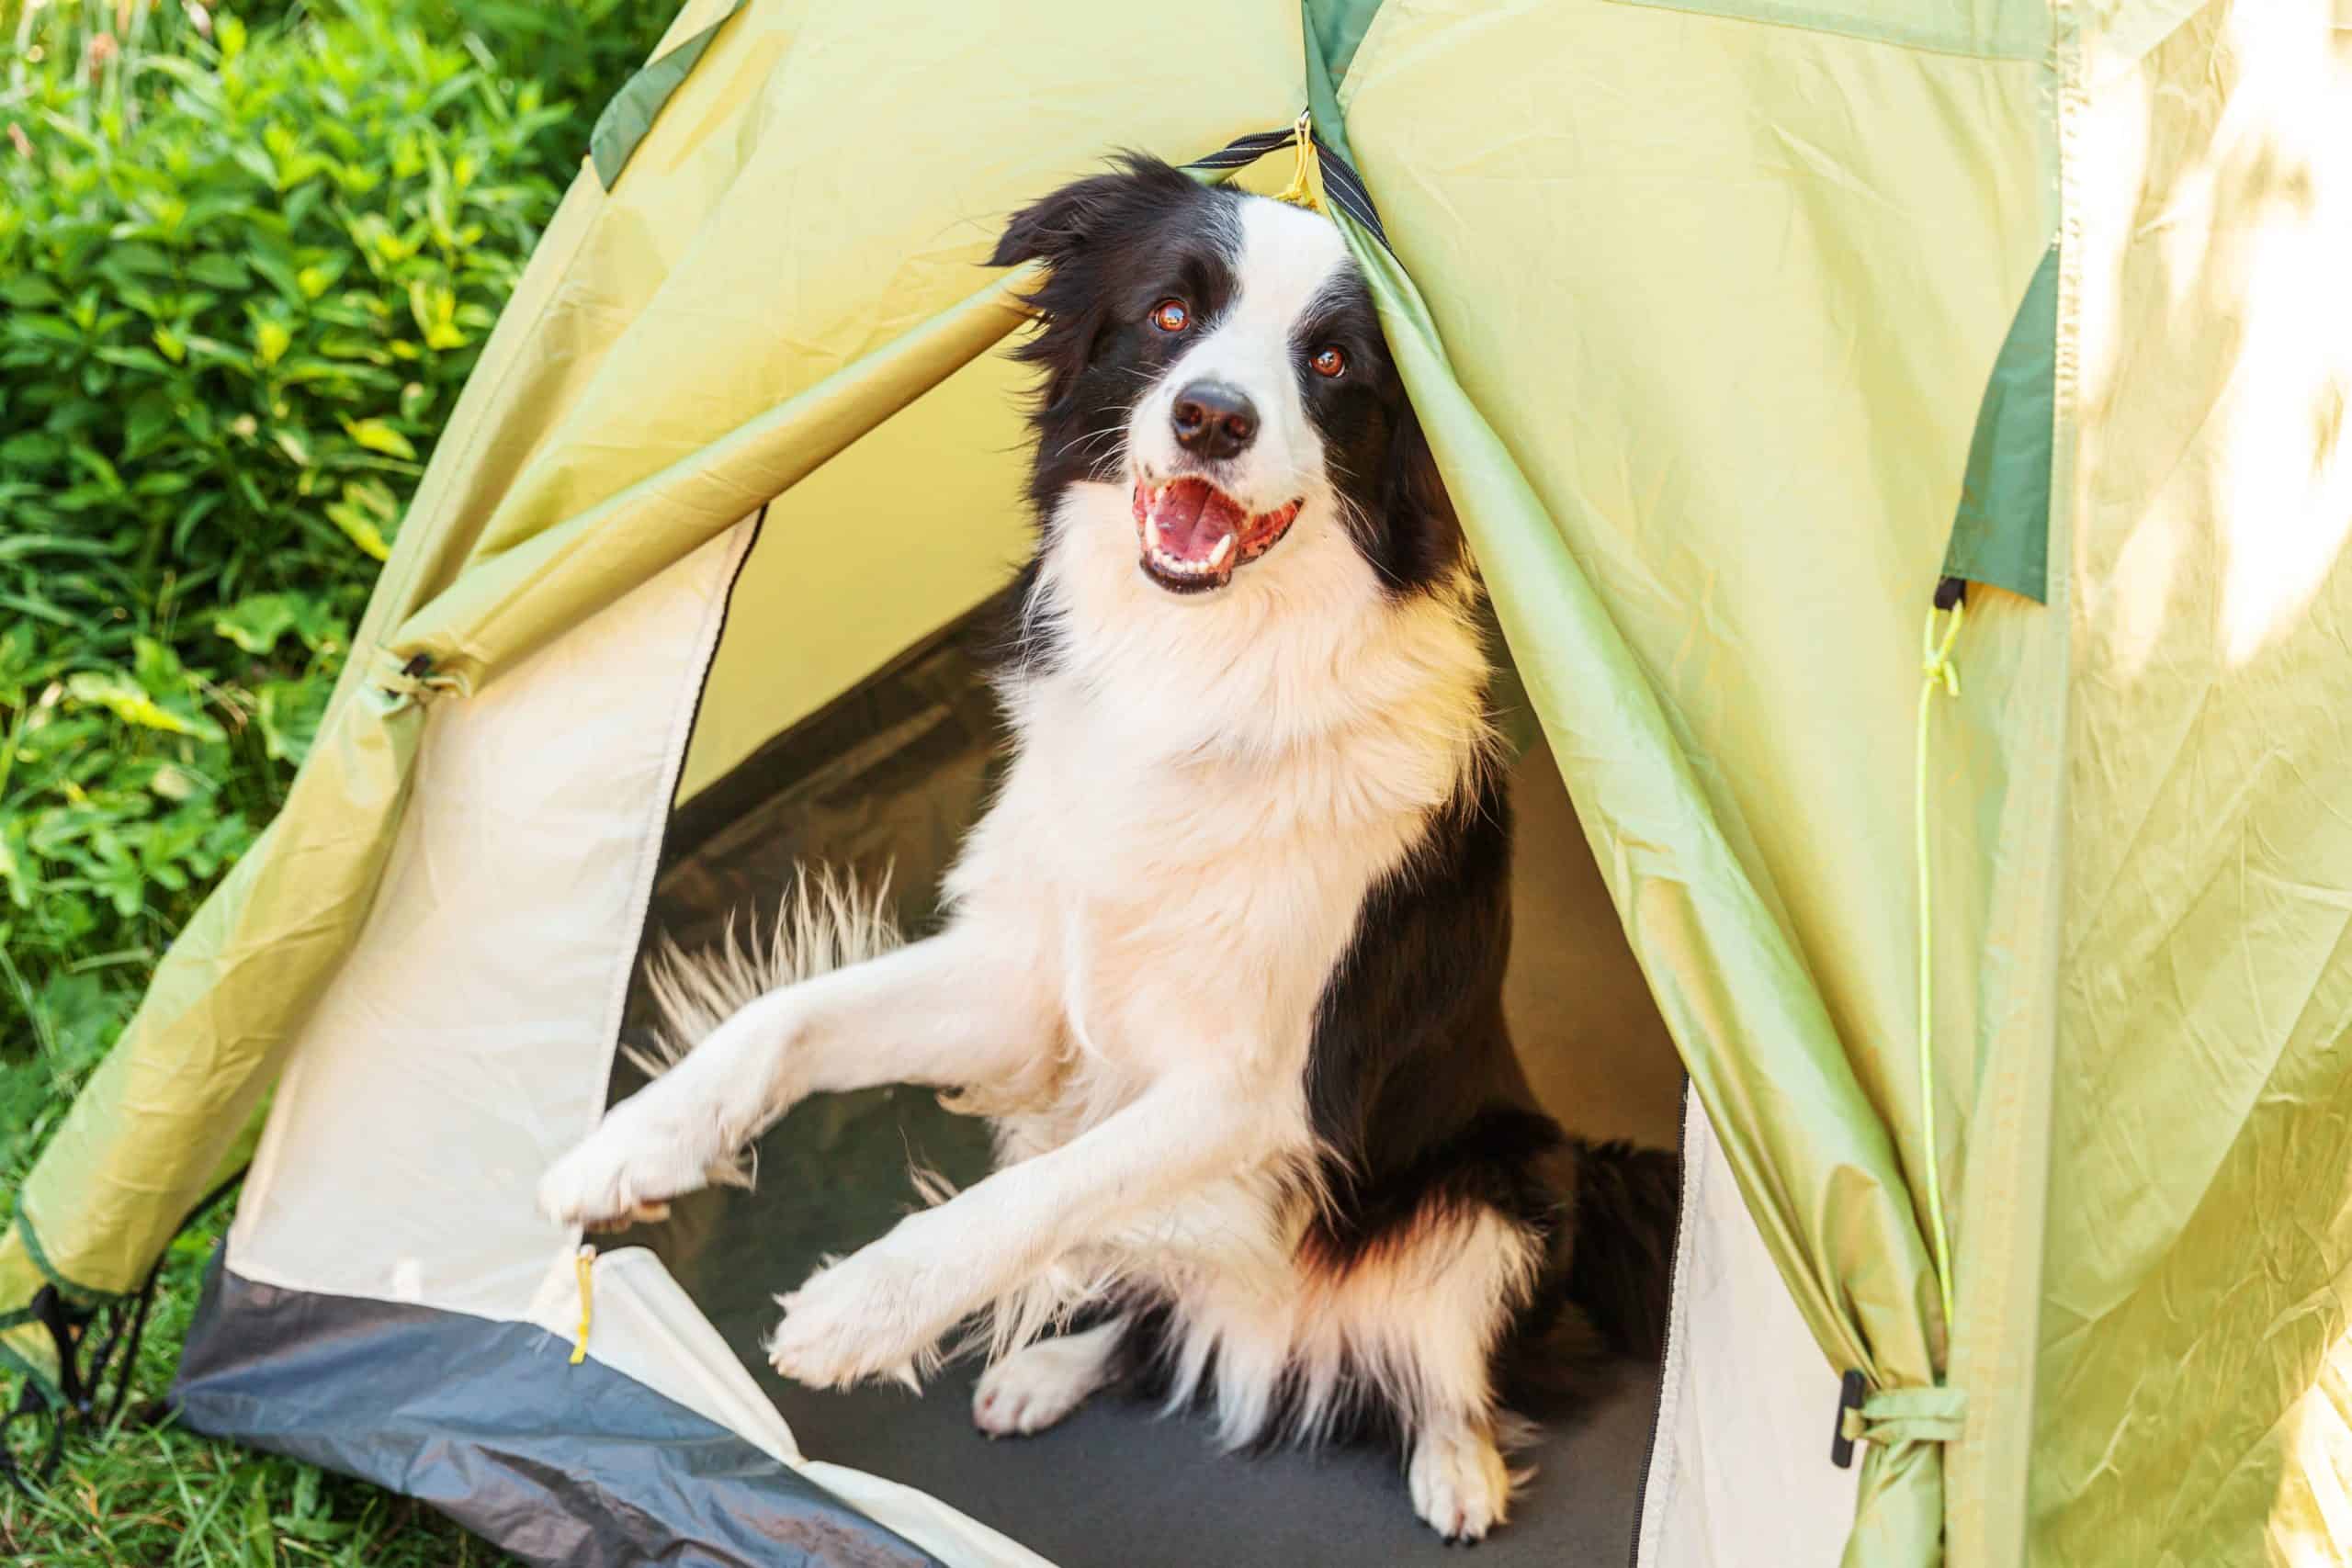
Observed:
{"x":1203,"y":796}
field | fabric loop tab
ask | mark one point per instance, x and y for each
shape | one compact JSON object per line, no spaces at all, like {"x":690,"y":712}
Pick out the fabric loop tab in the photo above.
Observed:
{"x":583,"y":1268}
{"x":1304,"y":180}
{"x":1341,"y":186}
{"x":400,"y":681}
{"x":1893,"y":1416}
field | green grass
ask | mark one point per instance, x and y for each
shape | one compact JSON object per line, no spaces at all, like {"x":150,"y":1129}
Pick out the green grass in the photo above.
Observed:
{"x":140,"y":1497}
{"x":248,"y":254}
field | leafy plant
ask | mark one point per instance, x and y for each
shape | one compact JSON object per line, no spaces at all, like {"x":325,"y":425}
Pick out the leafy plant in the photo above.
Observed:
{"x":244,"y":280}
{"x":248,"y":255}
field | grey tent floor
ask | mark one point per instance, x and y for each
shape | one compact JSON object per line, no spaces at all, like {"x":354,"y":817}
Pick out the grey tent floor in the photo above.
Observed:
{"x":1115,"y":1487}
{"x":892,"y":774}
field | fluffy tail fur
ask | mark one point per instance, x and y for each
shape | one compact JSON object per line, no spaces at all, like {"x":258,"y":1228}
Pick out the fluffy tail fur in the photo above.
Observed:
{"x":1628,"y":1204}
{"x":1605,"y":1295}
{"x":825,"y":921}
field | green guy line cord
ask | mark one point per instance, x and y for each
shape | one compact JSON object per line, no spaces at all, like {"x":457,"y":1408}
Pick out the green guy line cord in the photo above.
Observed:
{"x":1936,"y":666}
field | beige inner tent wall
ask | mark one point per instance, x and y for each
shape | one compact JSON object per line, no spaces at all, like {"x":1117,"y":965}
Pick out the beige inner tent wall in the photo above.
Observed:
{"x":807,"y":622}
{"x":436,"y":1080}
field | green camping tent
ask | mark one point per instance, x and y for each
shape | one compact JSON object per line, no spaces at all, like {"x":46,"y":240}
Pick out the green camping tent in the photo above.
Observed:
{"x":2012,"y":1005}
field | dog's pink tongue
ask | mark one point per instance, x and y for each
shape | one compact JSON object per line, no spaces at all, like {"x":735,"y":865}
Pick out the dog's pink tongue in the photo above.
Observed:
{"x":1191,"y":516}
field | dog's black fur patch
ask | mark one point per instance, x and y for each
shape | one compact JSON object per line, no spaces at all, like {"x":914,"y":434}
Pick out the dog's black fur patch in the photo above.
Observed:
{"x":1413,"y":1088}
{"x":1379,"y":461}
{"x":1415,"y":1091}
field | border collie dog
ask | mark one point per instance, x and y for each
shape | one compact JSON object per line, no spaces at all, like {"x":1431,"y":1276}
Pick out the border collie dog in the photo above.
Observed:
{"x":1223,"y":960}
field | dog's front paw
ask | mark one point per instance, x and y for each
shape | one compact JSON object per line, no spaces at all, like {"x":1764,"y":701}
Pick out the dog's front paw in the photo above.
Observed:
{"x":871,"y":1315}
{"x":626,"y":1171}
{"x":1461,"y":1487}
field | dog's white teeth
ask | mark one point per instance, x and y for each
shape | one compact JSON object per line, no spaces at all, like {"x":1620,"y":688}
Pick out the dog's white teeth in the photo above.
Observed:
{"x":1224,"y":549}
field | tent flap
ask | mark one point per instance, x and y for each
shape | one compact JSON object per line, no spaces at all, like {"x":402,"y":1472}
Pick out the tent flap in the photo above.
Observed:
{"x":1812,"y":1157}
{"x":629,"y":114}
{"x":2001,"y":535}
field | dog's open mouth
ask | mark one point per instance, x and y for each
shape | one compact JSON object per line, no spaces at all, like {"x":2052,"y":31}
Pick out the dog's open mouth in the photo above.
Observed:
{"x":1194,"y":535}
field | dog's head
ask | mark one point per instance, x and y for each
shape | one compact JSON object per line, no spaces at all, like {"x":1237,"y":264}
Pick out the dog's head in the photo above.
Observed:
{"x":1215,"y":360}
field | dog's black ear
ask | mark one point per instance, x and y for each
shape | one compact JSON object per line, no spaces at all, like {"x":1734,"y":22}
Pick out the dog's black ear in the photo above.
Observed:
{"x":1424,"y":533}
{"x":1077,"y":231}
{"x":1055,"y":229}
{"x":1073,"y":218}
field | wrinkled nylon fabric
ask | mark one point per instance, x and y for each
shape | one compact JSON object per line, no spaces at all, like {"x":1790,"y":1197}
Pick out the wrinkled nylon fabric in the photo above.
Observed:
{"x":451,"y":1408}
{"x":2196,"y":1384}
{"x":1815,"y":1164}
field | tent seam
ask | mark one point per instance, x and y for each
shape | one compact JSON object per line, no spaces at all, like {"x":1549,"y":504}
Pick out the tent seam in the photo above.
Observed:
{"x":1656,"y":1511}
{"x":650,"y":838}
{"x":1786,"y":16}
{"x":1988,"y":1495}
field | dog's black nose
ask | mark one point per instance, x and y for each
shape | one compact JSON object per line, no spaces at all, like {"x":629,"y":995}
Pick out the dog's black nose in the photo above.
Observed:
{"x":1214,"y":420}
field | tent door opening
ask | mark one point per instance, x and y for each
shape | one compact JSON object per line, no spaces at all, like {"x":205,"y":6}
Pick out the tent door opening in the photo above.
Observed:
{"x":885,"y":777}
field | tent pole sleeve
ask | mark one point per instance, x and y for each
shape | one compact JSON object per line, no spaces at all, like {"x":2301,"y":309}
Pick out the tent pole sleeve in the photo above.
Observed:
{"x":534,"y":577}
{"x":2004,"y":1218}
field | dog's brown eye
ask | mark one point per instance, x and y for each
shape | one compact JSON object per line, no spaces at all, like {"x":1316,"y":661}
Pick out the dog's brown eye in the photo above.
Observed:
{"x":1328,"y":360}
{"x":1170,"y":316}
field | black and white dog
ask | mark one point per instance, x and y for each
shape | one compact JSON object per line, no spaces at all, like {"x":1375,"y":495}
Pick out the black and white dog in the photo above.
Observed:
{"x":1223,"y":960}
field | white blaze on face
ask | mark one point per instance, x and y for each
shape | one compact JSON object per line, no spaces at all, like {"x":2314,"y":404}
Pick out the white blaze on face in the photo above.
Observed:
{"x":1287,"y":257}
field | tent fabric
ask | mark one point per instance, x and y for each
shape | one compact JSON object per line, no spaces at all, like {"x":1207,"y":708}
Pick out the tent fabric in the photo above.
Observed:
{"x":1719,"y":316}
{"x":2196,"y":1325}
{"x":630,"y":114}
{"x":1699,"y":906}
{"x":471,"y":1019}
{"x":1993,"y":29}
{"x":475,"y":1042}
{"x":1740,"y":1471}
